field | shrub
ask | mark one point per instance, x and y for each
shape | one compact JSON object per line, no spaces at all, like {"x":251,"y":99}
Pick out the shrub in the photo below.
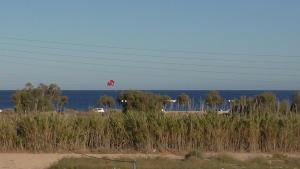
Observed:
{"x":214,"y":99}
{"x":184,"y":100}
{"x":195,"y":154}
{"x":141,"y":101}
{"x":296,"y":103}
{"x":279,"y":156}
{"x":40,"y":99}
{"x":106,"y":101}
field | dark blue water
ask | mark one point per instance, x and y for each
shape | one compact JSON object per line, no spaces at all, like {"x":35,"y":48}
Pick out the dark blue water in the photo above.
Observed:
{"x":83,"y":99}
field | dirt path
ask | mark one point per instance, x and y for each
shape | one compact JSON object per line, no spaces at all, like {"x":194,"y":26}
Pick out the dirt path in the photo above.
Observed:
{"x":28,"y":161}
{"x":42,"y":161}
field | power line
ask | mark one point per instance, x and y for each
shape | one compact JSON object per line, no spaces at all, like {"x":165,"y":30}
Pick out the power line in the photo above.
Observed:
{"x":85,"y":69}
{"x":206,"y":78}
{"x":142,"y":67}
{"x":147,"y":55}
{"x":139,"y":61}
{"x":151,"y":68}
{"x":143,"y":49}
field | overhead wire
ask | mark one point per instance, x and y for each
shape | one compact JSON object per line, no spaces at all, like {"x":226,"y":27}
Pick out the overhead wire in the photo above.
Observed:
{"x":122,"y":54}
{"x":148,"y":68}
{"x":141,"y":67}
{"x":136,"y":61}
{"x":128,"y":75}
{"x":143,"y":49}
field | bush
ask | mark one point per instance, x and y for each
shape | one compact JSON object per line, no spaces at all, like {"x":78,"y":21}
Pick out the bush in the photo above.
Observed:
{"x":39,"y":99}
{"x":296,"y":103}
{"x":195,"y":154}
{"x":106,"y":101}
{"x":184,"y":101}
{"x":279,"y":156}
{"x":141,"y":101}
{"x":214,"y":99}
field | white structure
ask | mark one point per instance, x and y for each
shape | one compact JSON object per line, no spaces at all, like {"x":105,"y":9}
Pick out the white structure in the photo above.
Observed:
{"x":223,"y":111}
{"x":172,"y":101}
{"x":99,"y":110}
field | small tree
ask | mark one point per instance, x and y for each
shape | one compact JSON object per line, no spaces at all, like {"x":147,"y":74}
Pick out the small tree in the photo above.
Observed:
{"x":184,"y":100}
{"x":266,"y":102}
{"x":106,"y":101}
{"x":54,"y":92}
{"x":165,"y":100}
{"x":214,"y":99}
{"x":37,"y":99}
{"x":62,"y":102}
{"x":296,"y":103}
{"x":239,"y":105}
{"x":284,"y":107}
{"x":140,"y":101}
{"x":243,"y":104}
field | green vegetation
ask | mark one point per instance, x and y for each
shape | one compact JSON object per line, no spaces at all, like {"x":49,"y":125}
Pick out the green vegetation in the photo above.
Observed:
{"x":296,"y":103}
{"x":218,"y":162}
{"x":184,"y":100}
{"x":263,"y":104}
{"x":141,"y":101}
{"x":214,"y":99}
{"x":284,"y":107}
{"x":39,"y":99}
{"x":165,"y":100}
{"x":142,"y":131}
{"x":63,"y":100}
{"x":194,"y":154}
{"x":106,"y":101}
{"x":45,"y":98}
{"x":256,"y":124}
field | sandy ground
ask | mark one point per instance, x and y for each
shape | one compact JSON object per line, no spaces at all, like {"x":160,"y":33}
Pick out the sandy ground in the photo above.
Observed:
{"x":28,"y":161}
{"x":42,"y":161}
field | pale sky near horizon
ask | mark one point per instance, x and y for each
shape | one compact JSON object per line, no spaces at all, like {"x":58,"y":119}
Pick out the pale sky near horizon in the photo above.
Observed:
{"x":153,"y":44}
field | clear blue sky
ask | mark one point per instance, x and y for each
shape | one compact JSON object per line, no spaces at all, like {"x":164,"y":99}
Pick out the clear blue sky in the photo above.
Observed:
{"x":151,"y":44}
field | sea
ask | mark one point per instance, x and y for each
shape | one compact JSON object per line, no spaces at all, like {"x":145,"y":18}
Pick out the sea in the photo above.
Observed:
{"x":83,"y":100}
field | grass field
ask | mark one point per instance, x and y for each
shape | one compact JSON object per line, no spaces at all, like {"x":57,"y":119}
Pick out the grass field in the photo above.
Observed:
{"x":217,"y":162}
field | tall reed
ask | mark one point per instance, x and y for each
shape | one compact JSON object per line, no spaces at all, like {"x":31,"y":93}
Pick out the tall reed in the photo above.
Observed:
{"x":142,"y":131}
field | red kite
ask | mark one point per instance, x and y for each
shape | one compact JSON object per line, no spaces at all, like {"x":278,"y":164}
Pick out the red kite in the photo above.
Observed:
{"x":111,"y":83}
